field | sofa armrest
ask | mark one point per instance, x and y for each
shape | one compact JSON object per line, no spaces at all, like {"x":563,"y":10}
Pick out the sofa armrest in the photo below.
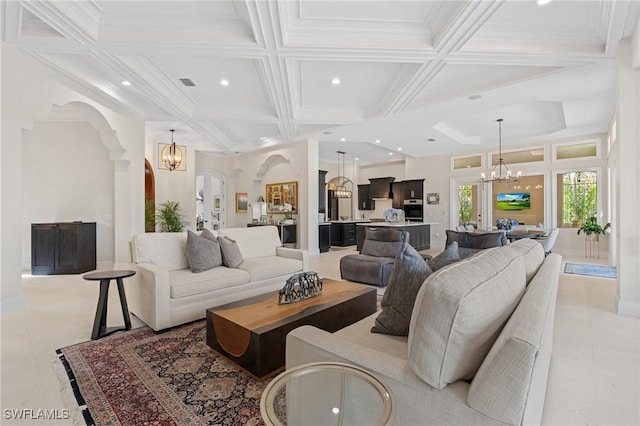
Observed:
{"x":298,"y":254}
{"x":148,"y":295}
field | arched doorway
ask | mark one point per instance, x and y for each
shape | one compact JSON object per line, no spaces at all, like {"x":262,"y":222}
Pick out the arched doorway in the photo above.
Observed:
{"x":149,"y":198}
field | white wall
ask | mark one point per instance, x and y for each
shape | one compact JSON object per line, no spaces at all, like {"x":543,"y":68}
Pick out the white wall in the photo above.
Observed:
{"x":29,"y":91}
{"x":67,"y":176}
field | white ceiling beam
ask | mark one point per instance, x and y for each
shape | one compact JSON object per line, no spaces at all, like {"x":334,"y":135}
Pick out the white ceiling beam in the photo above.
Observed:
{"x":76,"y":20}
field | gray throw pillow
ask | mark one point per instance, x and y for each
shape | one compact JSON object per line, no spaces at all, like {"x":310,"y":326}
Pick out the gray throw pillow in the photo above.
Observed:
{"x":231,"y":255}
{"x":208,"y":235}
{"x":447,"y":257}
{"x":408,"y":273}
{"x":202,"y":253}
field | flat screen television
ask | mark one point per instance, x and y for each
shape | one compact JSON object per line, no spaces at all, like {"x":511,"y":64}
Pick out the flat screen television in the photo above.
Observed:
{"x":513,"y":201}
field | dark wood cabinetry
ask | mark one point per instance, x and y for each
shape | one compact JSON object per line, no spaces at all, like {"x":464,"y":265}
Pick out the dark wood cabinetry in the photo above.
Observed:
{"x":324,"y":237}
{"x":63,"y":248}
{"x":419,"y":234}
{"x":380,"y":187}
{"x":413,"y":189}
{"x":343,"y":234}
{"x":398,"y":194}
{"x":364,"y":197}
{"x":322,"y":191}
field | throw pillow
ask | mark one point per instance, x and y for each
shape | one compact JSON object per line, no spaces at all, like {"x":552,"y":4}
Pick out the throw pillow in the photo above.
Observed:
{"x":208,"y":235}
{"x":408,"y":273}
{"x":447,"y":257}
{"x":231,"y":255}
{"x":202,"y":253}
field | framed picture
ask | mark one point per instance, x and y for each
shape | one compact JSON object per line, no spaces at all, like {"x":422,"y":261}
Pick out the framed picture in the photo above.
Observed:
{"x":242,"y":202}
{"x":163,"y":149}
{"x":433,"y":198}
{"x":216,"y":203}
{"x":282,"y":198}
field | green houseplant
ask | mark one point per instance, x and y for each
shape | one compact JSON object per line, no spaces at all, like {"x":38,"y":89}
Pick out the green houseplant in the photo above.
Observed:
{"x":591,"y":226}
{"x":170,"y":217}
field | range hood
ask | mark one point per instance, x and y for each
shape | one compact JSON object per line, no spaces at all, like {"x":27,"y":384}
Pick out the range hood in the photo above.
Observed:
{"x":380,"y":188}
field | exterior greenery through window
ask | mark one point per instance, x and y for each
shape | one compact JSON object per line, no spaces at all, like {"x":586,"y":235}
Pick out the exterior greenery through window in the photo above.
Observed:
{"x":579,"y":198}
{"x":465,"y":203}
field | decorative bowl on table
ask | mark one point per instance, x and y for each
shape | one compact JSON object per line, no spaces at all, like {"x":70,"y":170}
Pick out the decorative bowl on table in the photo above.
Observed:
{"x":344,"y":217}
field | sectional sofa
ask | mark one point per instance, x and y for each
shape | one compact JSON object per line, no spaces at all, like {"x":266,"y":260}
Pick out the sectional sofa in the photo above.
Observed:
{"x":165,"y":292}
{"x":479,"y":343}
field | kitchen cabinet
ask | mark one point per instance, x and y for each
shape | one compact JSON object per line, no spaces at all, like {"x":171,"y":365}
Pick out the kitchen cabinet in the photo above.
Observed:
{"x":322,"y":191}
{"x":324,"y":237}
{"x":364,"y":197}
{"x":63,"y":248}
{"x":419,"y":233}
{"x":413,"y":189}
{"x":398,"y":190}
{"x":343,"y":233}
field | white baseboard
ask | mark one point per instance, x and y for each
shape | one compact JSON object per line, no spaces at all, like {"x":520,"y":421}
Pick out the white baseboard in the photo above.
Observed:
{"x":631,"y":309}
{"x":13,"y":304}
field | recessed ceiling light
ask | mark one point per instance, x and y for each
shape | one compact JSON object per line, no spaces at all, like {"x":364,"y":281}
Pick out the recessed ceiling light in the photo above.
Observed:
{"x":357,"y":158}
{"x":377,"y":140}
{"x":391,"y":153}
{"x":224,"y":82}
{"x":126,"y":83}
{"x":400,"y":149}
{"x":342,"y":139}
{"x":335,"y":81}
{"x":264,"y":138}
{"x":542,"y":2}
{"x":474,"y":97}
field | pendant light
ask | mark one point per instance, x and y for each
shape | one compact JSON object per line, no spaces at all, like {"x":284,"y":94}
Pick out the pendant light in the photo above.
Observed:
{"x":341,"y":190}
{"x":499,"y":177}
{"x":171,"y":155}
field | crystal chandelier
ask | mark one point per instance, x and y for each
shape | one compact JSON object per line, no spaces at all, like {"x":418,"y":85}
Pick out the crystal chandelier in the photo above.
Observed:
{"x":341,"y":190}
{"x":171,"y":155}
{"x":499,"y":177}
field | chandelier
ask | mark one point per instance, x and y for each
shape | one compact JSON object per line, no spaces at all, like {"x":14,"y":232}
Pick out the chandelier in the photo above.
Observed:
{"x":499,"y":177}
{"x":341,"y":190}
{"x":171,"y":155}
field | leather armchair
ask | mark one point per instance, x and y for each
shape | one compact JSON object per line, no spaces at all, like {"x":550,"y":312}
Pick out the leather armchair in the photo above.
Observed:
{"x":374,"y":263}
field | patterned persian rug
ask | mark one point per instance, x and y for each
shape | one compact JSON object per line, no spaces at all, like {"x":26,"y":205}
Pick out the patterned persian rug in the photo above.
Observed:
{"x":172,"y":378}
{"x":602,"y":271}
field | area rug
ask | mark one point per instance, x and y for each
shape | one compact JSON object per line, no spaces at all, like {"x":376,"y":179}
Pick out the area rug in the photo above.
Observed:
{"x":602,"y":271}
{"x":171,"y":378}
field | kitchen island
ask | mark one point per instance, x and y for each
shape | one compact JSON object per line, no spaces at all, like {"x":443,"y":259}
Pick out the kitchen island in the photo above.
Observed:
{"x":343,"y":232}
{"x":419,"y":232}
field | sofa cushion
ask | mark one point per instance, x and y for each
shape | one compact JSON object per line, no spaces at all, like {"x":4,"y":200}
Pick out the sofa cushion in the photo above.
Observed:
{"x":459,"y":312}
{"x":533,"y":255}
{"x":447,"y":257}
{"x":255,"y":241}
{"x":231,"y":255}
{"x":208,"y":234}
{"x":165,"y":249}
{"x":202,"y":253}
{"x":471,"y":242}
{"x":383,"y":242}
{"x":185,"y":283}
{"x":367,"y":269}
{"x":262,"y":268}
{"x":407,"y":275}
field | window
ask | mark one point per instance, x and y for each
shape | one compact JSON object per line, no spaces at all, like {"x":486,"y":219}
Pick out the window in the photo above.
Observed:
{"x":518,"y":157}
{"x":467,"y":204}
{"x":467,"y":162}
{"x":579,"y":150}
{"x":577,"y":198}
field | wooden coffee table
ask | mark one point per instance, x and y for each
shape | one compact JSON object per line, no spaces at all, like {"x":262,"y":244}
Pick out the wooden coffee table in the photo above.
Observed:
{"x":252,"y":332}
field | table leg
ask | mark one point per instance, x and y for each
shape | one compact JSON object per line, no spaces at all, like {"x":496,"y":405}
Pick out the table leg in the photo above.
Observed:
{"x":100,"y":322}
{"x":123,"y":304}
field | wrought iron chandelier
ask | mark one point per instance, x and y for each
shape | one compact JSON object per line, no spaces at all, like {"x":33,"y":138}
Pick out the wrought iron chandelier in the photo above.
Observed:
{"x":341,"y":190}
{"x":499,"y":177}
{"x":171,"y":155}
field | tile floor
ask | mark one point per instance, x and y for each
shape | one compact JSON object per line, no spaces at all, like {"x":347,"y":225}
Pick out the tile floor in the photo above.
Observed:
{"x":594,"y":376}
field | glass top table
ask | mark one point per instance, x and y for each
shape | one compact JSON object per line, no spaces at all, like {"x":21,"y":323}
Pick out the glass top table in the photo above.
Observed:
{"x":327,"y":393}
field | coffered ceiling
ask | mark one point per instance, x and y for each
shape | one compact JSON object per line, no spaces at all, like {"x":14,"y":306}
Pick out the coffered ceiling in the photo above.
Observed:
{"x":426,"y":76}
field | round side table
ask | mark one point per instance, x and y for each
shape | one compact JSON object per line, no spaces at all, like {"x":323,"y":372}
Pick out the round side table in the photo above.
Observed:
{"x":327,"y":393}
{"x":100,"y":328}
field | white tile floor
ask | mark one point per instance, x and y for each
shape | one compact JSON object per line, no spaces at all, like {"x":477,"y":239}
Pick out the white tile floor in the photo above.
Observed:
{"x":594,"y":377}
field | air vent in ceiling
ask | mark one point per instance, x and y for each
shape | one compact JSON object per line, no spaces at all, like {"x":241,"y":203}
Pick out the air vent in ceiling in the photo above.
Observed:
{"x":187,"y":82}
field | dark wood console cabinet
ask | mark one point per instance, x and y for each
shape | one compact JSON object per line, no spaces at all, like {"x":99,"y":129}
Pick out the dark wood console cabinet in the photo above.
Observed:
{"x":63,"y":248}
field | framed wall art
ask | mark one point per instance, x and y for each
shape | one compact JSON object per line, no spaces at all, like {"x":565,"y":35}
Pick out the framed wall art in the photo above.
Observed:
{"x":242,"y":202}
{"x":163,"y":149}
{"x":282,"y":198}
{"x":433,"y":198}
{"x":216,"y":203}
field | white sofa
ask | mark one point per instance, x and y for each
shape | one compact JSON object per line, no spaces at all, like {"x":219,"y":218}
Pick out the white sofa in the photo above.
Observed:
{"x":165,"y":293}
{"x":509,"y":383}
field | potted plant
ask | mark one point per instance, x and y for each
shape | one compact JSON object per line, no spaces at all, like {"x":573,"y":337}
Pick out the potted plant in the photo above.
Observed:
{"x":170,"y":217}
{"x":591,"y":226}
